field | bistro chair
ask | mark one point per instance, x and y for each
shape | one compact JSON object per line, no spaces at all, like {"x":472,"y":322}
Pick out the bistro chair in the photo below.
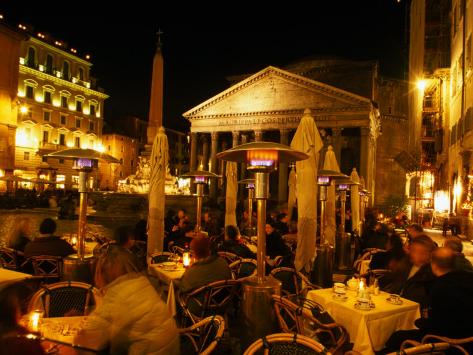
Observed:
{"x":63,"y":298}
{"x":454,"y":343}
{"x":47,"y":267}
{"x":161,"y":257}
{"x":229,"y":257}
{"x":243,"y":268}
{"x":416,"y":348}
{"x":296,"y":319}
{"x":9,"y":258}
{"x":294,"y":283}
{"x":213,"y":298}
{"x":367,"y":254}
{"x":285,"y":344}
{"x":203,"y":337}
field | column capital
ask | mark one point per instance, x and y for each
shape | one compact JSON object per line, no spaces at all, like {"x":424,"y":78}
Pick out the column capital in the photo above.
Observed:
{"x":235,"y":138}
{"x":337,"y":131}
{"x":258,"y":135}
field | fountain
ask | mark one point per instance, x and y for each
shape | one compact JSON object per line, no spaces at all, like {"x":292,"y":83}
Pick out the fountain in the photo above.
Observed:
{"x":130,"y":202}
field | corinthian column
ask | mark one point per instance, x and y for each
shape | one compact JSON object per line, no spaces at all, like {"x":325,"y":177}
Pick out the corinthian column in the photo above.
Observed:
{"x":258,"y":136}
{"x":235,"y":138}
{"x":282,"y":181}
{"x":193,"y":161}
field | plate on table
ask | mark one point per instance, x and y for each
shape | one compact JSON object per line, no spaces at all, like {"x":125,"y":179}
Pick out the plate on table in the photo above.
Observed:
{"x":397,"y":302}
{"x":364,"y":306}
{"x":339,"y":297}
{"x":169,"y":265}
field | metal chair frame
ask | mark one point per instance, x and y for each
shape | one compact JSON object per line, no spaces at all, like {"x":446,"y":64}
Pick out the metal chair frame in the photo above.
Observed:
{"x":454,"y":343}
{"x":235,"y":267}
{"x":198,"y":334}
{"x":39,"y":263}
{"x":41,"y":299}
{"x":9,"y":258}
{"x":229,"y":257}
{"x":305,"y":323}
{"x":301,"y":283}
{"x":295,"y":338}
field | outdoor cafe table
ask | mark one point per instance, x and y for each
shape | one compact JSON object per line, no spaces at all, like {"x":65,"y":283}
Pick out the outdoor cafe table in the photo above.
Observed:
{"x":369,"y":330}
{"x":168,"y":277}
{"x":64,"y":329}
{"x":12,"y":276}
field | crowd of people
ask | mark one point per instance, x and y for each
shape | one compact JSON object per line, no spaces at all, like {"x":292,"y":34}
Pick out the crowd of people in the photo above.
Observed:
{"x":439,"y":278}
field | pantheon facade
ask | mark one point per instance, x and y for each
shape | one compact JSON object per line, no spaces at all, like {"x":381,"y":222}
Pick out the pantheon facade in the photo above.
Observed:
{"x":268,"y":105}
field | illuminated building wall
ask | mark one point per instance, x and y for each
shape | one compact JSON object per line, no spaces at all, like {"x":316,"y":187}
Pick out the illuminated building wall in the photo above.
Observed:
{"x":126,"y":150}
{"x":10,"y":40}
{"x":59,"y":106}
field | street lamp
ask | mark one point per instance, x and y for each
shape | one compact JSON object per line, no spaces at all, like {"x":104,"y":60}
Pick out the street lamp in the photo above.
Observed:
{"x":84,"y":161}
{"x":201,"y":178}
{"x":261,"y":158}
{"x":250,"y":186}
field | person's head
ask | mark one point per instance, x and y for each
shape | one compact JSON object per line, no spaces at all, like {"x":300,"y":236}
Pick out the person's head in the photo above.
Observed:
{"x":421,"y":249}
{"x":246,"y":214}
{"x":268,"y":228}
{"x":181,"y":213}
{"x":112,"y":264}
{"x":454,"y":244}
{"x":394,"y":242}
{"x":231,"y":232}
{"x":9,"y":309}
{"x":282,"y":217}
{"x":47,"y":226}
{"x":414,"y":230}
{"x":207,"y":216}
{"x":200,"y":247}
{"x":443,"y":261}
{"x":124,"y":236}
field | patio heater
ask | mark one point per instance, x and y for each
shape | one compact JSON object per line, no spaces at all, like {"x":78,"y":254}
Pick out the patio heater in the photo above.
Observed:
{"x":261,"y":158}
{"x":250,"y":186}
{"x":343,"y":245}
{"x":201,"y":178}
{"x":323,"y":265}
{"x":79,"y":267}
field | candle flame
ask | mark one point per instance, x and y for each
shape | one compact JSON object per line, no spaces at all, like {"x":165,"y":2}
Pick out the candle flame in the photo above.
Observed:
{"x":186,"y":259}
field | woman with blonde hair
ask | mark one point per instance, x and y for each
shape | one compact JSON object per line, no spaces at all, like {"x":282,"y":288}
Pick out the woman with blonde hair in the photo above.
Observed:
{"x":20,"y":234}
{"x":132,"y":318}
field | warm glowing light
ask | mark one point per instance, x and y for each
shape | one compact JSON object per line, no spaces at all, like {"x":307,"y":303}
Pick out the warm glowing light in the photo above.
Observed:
{"x":22,"y":61}
{"x":441,"y":201}
{"x":23,"y":109}
{"x":41,"y":67}
{"x":1,"y":17}
{"x":2,"y":172}
{"x":70,"y":144}
{"x":74,"y":80}
{"x":58,"y":74}
{"x":72,"y":107}
{"x":99,"y":147}
{"x":86,"y":111}
{"x":457,"y":189}
{"x":421,"y":84}
{"x":87,"y":85}
{"x":74,"y":241}
{"x":97,"y":114}
{"x":56,"y":103}
{"x":323,"y":180}
{"x":183,"y":183}
{"x":23,"y":139}
{"x":39,"y":98}
{"x":186,"y":259}
{"x":262,"y":158}
{"x":200,"y":179}
{"x":87,"y":56}
{"x":35,"y":320}
{"x":84,"y":145}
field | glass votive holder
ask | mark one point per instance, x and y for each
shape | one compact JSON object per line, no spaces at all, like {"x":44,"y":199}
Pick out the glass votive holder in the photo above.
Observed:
{"x":35,"y":320}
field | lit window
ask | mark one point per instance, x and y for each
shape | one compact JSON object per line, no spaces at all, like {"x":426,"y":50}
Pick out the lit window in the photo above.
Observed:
{"x":47,"y":116}
{"x":47,"y":97}
{"x":26,"y":156}
{"x":64,"y":102}
{"x":29,"y":92}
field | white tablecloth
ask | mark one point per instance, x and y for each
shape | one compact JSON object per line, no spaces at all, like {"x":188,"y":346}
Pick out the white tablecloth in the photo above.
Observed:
{"x":369,"y":330}
{"x":167,"y":277}
{"x":12,"y":276}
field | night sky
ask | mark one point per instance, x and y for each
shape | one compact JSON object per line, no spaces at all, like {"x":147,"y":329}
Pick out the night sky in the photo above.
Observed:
{"x":201,"y":47}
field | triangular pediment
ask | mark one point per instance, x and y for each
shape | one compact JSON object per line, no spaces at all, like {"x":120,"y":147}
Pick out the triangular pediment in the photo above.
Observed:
{"x":276,"y":90}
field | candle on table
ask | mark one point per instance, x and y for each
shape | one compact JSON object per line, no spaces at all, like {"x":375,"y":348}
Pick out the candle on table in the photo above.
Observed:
{"x":35,"y":319}
{"x":186,"y":259}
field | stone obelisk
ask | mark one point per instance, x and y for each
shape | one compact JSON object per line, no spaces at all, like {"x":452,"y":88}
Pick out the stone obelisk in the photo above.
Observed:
{"x":155,"y":118}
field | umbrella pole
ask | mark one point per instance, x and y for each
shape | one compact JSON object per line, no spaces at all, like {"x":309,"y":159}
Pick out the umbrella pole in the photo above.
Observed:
{"x":200,"y":195}
{"x":82,"y":214}
{"x":261,"y":194}
{"x":343,"y":199}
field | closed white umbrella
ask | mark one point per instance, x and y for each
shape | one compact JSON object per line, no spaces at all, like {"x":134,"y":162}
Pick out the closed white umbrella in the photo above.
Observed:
{"x":355,"y":202}
{"x":330,"y":163}
{"x":159,"y":163}
{"x":292,"y":196}
{"x":231,"y":194}
{"x":306,"y":139}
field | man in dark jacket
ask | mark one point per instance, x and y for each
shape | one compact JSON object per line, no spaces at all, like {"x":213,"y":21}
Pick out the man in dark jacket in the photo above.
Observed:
{"x":450,"y":306}
{"x":275,"y":246}
{"x":419,"y":276}
{"x":233,"y":244}
{"x":48,"y":243}
{"x":461,"y":262}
